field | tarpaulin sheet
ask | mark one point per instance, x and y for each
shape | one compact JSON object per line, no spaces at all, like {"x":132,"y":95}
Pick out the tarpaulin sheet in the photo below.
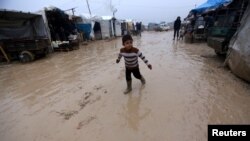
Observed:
{"x":238,"y":59}
{"x":211,"y":4}
{"x":85,"y":28}
{"x":19,"y":25}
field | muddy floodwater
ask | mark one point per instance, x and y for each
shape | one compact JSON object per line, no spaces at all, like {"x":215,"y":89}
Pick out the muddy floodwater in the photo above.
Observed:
{"x":78,"y":95}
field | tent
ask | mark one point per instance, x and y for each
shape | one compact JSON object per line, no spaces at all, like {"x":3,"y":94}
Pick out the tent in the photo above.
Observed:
{"x":62,"y":30}
{"x":107,"y":27}
{"x":23,"y":35}
{"x":118,"y":28}
{"x":85,"y":28}
{"x":103,"y":27}
{"x":211,"y":5}
{"x":238,"y":58}
{"x":99,"y":27}
{"x":58,"y":23}
{"x":20,"y":25}
{"x":83,"y":25}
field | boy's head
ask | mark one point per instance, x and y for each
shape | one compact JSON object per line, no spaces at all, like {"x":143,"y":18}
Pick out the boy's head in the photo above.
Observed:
{"x":127,"y":41}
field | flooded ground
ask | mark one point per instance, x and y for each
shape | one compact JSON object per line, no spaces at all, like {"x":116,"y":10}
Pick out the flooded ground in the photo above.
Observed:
{"x":78,"y":95}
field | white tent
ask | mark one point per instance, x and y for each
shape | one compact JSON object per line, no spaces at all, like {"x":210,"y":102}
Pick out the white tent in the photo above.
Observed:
{"x":103,"y":27}
{"x":239,"y":56}
{"x":107,"y":27}
{"x":118,"y":28}
{"x":115,"y":25}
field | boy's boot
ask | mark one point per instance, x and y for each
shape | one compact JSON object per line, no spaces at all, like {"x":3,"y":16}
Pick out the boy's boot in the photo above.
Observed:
{"x":129,"y":87}
{"x":143,"y":81}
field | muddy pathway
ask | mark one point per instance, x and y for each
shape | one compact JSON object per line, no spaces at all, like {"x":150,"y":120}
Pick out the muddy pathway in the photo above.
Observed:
{"x":78,"y":95}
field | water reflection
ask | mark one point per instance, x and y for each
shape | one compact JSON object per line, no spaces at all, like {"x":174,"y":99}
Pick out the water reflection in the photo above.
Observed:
{"x":134,"y":114}
{"x":138,"y":41}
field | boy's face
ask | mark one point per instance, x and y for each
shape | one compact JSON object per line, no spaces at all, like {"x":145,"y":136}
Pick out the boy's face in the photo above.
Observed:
{"x":128,"y":44}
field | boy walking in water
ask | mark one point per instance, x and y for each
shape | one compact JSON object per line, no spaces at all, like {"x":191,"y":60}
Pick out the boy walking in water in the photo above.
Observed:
{"x":131,"y":55}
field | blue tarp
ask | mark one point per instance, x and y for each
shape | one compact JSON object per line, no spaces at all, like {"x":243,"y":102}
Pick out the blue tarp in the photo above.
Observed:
{"x":211,"y":4}
{"x":85,"y":28}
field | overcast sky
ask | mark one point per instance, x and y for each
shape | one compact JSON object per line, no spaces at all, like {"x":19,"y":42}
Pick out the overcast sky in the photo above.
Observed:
{"x":140,"y":10}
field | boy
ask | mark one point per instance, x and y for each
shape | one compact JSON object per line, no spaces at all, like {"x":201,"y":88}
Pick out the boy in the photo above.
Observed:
{"x":131,"y":55}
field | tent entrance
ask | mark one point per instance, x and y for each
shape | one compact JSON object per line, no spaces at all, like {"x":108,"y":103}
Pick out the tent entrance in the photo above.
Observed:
{"x":97,"y":31}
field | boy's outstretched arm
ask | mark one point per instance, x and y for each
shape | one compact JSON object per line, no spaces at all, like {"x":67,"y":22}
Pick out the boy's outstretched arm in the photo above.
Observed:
{"x":144,"y":59}
{"x":119,"y":58}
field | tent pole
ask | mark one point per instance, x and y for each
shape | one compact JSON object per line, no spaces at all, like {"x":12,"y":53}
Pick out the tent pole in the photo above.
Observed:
{"x":89,"y":8}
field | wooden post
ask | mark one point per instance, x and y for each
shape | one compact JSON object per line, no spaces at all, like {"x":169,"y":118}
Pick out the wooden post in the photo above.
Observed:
{"x":4,"y":53}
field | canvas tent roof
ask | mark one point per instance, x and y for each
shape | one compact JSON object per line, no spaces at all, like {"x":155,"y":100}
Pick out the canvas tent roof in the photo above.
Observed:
{"x":16,"y":15}
{"x":20,"y":25}
{"x":107,"y":17}
{"x":211,"y":5}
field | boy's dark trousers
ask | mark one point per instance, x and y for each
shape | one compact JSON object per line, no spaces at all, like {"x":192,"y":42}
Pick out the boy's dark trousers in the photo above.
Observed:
{"x":137,"y":74}
{"x":135,"y":71}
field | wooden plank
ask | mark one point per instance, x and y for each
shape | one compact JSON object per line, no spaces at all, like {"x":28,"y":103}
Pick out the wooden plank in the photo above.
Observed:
{"x":4,"y":53}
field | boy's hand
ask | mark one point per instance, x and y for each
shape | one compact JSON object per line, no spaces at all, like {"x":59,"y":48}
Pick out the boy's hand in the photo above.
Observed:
{"x":117,"y":61}
{"x":150,"y":67}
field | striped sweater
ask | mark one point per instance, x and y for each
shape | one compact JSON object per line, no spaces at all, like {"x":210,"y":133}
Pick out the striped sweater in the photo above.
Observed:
{"x":131,"y":57}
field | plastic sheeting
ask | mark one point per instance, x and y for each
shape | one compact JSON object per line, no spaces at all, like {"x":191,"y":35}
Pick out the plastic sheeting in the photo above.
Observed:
{"x":210,"y":5}
{"x":85,"y":28}
{"x":118,"y":29}
{"x":24,"y":31}
{"x":239,"y":57}
{"x":107,"y":29}
{"x":17,"y":25}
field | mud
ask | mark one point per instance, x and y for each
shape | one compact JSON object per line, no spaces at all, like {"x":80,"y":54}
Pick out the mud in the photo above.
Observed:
{"x":78,"y":95}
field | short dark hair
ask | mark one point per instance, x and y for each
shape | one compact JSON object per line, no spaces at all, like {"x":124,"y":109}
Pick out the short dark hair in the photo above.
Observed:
{"x":126,"y":38}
